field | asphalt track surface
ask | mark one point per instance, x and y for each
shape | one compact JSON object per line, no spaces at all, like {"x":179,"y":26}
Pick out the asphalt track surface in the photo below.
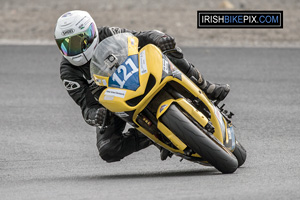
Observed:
{"x":48,"y":152}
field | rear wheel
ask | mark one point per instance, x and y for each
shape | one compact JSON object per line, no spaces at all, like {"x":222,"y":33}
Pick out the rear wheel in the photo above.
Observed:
{"x":212,"y":151}
{"x":240,"y":153}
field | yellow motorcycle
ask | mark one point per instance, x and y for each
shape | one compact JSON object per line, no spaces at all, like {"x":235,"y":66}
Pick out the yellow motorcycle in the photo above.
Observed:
{"x":144,"y":88}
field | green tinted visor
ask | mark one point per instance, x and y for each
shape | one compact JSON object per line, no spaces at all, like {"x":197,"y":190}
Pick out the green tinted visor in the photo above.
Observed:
{"x":74,"y":45}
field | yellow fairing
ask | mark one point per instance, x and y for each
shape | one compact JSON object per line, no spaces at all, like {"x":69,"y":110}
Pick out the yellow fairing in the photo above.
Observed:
{"x":151,"y":62}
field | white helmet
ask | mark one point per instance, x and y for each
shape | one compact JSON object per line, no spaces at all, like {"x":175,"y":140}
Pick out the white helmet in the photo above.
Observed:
{"x":76,"y":36}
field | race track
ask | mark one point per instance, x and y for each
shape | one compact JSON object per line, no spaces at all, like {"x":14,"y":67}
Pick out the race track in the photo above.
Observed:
{"x":48,"y":152}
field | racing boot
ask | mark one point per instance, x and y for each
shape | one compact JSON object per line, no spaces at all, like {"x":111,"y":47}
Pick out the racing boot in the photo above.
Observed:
{"x":213,"y":91}
{"x":164,"y":154}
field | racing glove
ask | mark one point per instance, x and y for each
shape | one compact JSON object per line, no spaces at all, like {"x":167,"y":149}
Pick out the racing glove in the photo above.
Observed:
{"x":162,"y":40}
{"x":95,"y":117}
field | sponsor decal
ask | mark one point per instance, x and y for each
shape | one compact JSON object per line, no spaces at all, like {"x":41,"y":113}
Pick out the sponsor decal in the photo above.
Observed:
{"x":239,"y":19}
{"x":162,"y":107}
{"x":166,"y":66}
{"x":115,"y":93}
{"x":177,"y":74}
{"x":104,"y":82}
{"x":68,"y":32}
{"x":71,"y":85}
{"x":143,"y":64}
{"x":121,"y":114}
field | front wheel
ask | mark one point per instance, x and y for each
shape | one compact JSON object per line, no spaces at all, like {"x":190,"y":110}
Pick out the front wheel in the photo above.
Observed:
{"x":212,"y":151}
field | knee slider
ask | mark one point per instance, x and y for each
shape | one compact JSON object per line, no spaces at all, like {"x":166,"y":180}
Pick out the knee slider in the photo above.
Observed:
{"x":108,"y":156}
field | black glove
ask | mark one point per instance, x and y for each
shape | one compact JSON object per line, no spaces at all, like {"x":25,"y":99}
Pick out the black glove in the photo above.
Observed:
{"x":95,"y":116}
{"x":162,"y":40}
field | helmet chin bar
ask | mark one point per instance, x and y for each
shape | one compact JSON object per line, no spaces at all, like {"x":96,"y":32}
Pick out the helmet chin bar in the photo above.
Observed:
{"x":85,"y":57}
{"x":79,"y":60}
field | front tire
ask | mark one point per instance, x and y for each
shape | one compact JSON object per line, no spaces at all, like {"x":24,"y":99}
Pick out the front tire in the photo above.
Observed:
{"x":212,"y":151}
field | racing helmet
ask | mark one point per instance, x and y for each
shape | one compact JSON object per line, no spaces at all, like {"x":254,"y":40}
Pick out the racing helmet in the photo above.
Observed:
{"x":76,"y":36}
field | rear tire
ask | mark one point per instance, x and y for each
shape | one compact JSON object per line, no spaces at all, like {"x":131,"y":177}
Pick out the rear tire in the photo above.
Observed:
{"x":240,"y":153}
{"x":212,"y":151}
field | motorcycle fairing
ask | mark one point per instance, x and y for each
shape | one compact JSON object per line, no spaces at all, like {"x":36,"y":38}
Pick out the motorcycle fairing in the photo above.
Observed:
{"x":151,"y":63}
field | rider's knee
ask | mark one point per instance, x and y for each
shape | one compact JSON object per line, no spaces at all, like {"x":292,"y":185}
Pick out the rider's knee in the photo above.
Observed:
{"x":109,"y":153}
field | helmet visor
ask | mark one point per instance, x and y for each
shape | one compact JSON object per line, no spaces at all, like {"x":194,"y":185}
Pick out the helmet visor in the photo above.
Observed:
{"x":74,"y":45}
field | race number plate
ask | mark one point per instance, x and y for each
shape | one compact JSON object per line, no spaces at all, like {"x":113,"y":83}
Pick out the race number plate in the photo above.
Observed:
{"x":126,"y":76}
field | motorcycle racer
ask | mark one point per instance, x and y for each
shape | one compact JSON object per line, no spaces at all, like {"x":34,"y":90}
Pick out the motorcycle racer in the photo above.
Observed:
{"x":77,"y":36}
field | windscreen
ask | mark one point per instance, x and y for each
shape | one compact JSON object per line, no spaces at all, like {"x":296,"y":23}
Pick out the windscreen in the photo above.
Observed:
{"x":110,"y":53}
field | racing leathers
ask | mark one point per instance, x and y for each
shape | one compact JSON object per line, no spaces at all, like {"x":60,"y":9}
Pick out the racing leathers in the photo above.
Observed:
{"x":113,"y":144}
